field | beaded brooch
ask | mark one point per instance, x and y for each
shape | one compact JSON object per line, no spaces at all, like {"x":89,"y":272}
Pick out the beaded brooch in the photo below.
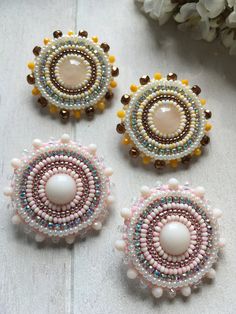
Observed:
{"x":72,"y":74}
{"x":164,"y":121}
{"x":60,"y":190}
{"x":171,"y":238}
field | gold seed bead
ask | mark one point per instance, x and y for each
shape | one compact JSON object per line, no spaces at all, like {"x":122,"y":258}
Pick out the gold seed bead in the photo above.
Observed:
{"x":157,"y":76}
{"x":174,"y":163}
{"x":77,"y":114}
{"x":198,"y":152}
{"x":70,"y":33}
{"x":133,"y":88}
{"x":146,"y":160}
{"x":185,"y":82}
{"x":113,"y":84}
{"x":95,"y":39}
{"x":203,"y":101}
{"x":112,"y":59}
{"x":46,"y":41}
{"x":53,"y":109}
{"x":101,"y":105}
{"x":121,"y":114}
{"x":31,"y":65}
{"x":208,"y":127}
{"x":35,"y":91}
{"x":126,"y":140}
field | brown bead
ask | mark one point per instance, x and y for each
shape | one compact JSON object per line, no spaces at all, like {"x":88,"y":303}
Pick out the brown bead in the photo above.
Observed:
{"x":83,"y":33}
{"x":64,"y":114}
{"x":109,"y":95}
{"x":144,"y":80}
{"x":105,"y":47}
{"x":43,"y":102}
{"x":120,"y":128}
{"x":133,"y":152}
{"x":114,"y":71}
{"x":90,"y":111}
{"x":172,"y":76}
{"x":208,"y":114}
{"x":205,"y":140}
{"x":57,"y":34}
{"x":30,"y":79}
{"x":36,"y":50}
{"x":125,"y":99}
{"x":159,"y":164}
{"x":196,"y":89}
{"x":186,"y":159}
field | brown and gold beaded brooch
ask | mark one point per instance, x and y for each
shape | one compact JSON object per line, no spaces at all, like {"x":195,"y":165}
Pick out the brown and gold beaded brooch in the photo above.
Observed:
{"x":73,"y":74}
{"x":164,"y":121}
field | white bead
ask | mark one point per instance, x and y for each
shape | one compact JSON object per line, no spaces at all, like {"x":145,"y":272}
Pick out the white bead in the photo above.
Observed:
{"x":131,"y":273}
{"x":211,"y":274}
{"x":65,"y":138}
{"x":157,"y":292}
{"x":70,"y":240}
{"x":186,"y":291}
{"x":110,"y":200}
{"x":199,"y":191}
{"x":125,"y":213}
{"x":16,"y":163}
{"x":222,"y":242}
{"x":217,"y":213}
{"x":60,"y":189}
{"x":16,"y":220}
{"x":37,"y":143}
{"x":39,"y":237}
{"x":175,"y":238}
{"x":92,"y":149}
{"x":145,"y":191}
{"x":120,"y":245}
{"x":97,"y":225}
{"x":108,"y":172}
{"x":8,"y":191}
{"x":173,"y":184}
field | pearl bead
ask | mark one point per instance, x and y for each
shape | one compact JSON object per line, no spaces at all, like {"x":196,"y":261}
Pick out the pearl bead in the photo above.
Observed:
{"x":110,"y":200}
{"x":211,"y":274}
{"x":8,"y":191}
{"x":186,"y":291}
{"x":37,"y":143}
{"x":60,"y":189}
{"x":70,"y":240}
{"x":120,"y":245}
{"x":125,"y":213}
{"x":173,"y":184}
{"x":16,"y":220}
{"x":145,"y":191}
{"x":97,"y":226}
{"x":217,"y":213}
{"x":92,"y":149}
{"x":16,"y":163}
{"x":199,"y":191}
{"x":108,"y":172}
{"x":39,"y":237}
{"x":166,"y":118}
{"x":132,"y":274}
{"x":157,"y":292}
{"x":65,"y":138}
{"x":222,"y":242}
{"x":175,"y":238}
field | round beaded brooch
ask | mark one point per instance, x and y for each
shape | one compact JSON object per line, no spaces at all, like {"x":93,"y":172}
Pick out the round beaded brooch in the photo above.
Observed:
{"x":171,"y":238}
{"x":72,"y":74}
{"x":164,"y":121}
{"x":60,"y":190}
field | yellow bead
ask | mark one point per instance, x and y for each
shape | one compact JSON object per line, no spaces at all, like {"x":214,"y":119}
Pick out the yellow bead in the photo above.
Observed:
{"x":133,"y":88}
{"x":157,"y":76}
{"x":121,"y":114}
{"x":35,"y":91}
{"x":70,"y":33}
{"x":208,"y":127}
{"x":77,"y":114}
{"x":112,"y":59}
{"x":126,"y":140}
{"x":203,"y":101}
{"x":197,"y":152}
{"x":185,"y":82}
{"x":101,"y":105}
{"x":95,"y":39}
{"x":46,"y":41}
{"x":174,"y":163}
{"x":31,"y":65}
{"x":113,"y":84}
{"x":146,"y":160}
{"x":53,"y":109}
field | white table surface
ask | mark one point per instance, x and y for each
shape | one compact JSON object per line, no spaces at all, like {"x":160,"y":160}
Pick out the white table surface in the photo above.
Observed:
{"x":89,"y":276}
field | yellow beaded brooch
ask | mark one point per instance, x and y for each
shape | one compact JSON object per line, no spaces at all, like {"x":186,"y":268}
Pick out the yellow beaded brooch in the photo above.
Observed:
{"x":164,"y":121}
{"x":72,"y":74}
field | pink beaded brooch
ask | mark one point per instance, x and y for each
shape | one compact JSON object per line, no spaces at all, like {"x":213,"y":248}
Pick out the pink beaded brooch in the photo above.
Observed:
{"x":60,"y":190}
{"x":171,"y":238}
